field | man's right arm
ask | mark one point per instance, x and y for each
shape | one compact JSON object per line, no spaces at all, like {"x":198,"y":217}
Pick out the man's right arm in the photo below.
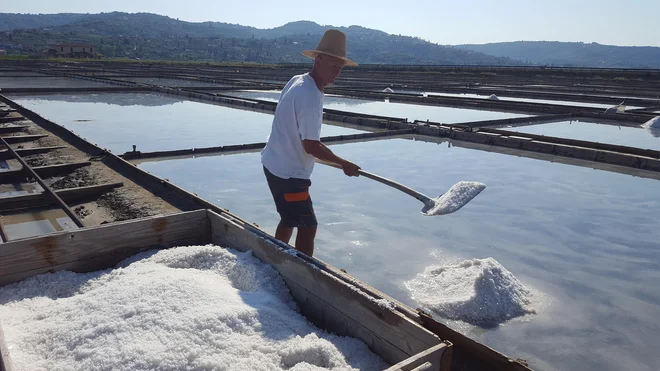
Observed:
{"x":323,"y":153}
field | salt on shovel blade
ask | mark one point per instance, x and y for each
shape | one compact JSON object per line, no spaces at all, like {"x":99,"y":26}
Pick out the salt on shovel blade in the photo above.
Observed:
{"x":456,"y":197}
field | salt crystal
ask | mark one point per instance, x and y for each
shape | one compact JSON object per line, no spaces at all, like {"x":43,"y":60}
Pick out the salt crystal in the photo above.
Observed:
{"x":653,"y":126}
{"x":195,"y":307}
{"x":478,"y":291}
{"x":455,"y":198}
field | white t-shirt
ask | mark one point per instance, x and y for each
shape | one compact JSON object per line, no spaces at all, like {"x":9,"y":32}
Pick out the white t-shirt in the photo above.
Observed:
{"x":298,"y":116}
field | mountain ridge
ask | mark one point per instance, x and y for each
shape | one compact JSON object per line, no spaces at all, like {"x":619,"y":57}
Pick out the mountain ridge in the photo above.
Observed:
{"x":153,"y":36}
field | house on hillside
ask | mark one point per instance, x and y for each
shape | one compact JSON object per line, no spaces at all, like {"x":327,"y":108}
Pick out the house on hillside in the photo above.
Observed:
{"x":72,"y":50}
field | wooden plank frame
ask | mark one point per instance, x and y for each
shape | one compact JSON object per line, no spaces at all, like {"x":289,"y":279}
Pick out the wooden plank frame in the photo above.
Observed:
{"x":99,"y":247}
{"x":434,"y":358}
{"x":329,"y":303}
{"x":16,"y":175}
{"x":67,"y":195}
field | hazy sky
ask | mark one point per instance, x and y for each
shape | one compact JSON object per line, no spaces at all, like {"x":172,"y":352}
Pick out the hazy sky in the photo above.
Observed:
{"x":446,"y":22}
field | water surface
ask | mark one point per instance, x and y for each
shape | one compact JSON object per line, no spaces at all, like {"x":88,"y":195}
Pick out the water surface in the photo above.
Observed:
{"x":595,"y":132}
{"x":584,"y":241}
{"x":400,"y":110}
{"x":154,"y":122}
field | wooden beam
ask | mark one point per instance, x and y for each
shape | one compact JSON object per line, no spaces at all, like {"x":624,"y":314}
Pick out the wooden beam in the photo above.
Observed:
{"x":16,"y":175}
{"x":578,"y":143}
{"x":4,"y":120}
{"x":23,"y":138}
{"x":328,"y":302}
{"x":551,"y":146}
{"x":3,"y":234}
{"x":431,"y":359}
{"x":470,"y":352}
{"x":93,"y":248}
{"x":6,"y":112}
{"x":512,"y":121}
{"x":6,"y":154}
{"x":13,"y":128}
{"x":67,"y":195}
{"x":259,"y":146}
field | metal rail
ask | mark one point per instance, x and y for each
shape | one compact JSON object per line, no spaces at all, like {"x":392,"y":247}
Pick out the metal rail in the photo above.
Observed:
{"x":43,"y":184}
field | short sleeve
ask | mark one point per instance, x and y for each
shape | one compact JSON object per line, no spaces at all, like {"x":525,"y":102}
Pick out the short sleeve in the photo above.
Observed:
{"x":310,"y":119}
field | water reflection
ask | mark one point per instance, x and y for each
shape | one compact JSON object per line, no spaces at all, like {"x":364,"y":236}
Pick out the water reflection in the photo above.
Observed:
{"x":117,"y":121}
{"x":109,"y":98}
{"x":408,"y":111}
{"x":585,"y":239}
{"x":596,"y":132}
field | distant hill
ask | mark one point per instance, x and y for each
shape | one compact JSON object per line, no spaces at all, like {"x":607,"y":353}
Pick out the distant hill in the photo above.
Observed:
{"x":573,"y":54}
{"x":150,"y":36}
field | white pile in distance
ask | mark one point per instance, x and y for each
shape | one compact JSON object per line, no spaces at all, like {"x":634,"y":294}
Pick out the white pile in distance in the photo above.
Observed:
{"x":479,"y":291}
{"x":186,"y":308}
{"x":653,"y":126}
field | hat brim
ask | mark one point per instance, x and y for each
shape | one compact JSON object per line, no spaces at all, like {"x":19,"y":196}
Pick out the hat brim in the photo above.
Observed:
{"x":313,"y":53}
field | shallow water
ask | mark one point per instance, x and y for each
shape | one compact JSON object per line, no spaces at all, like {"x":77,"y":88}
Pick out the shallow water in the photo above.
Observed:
{"x":592,"y":131}
{"x":46,"y":82}
{"x":400,"y":110}
{"x":36,"y":223}
{"x":583,"y":241}
{"x":154,"y":122}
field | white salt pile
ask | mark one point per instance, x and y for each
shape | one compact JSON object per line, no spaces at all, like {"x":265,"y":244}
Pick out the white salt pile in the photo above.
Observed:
{"x":186,"y":308}
{"x":479,"y":291}
{"x":653,"y":123}
{"x":653,"y":126}
{"x":455,"y":198}
{"x":388,"y":90}
{"x":493,"y":97}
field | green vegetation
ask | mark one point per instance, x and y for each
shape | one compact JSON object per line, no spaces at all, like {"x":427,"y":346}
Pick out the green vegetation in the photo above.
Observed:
{"x":149,"y":36}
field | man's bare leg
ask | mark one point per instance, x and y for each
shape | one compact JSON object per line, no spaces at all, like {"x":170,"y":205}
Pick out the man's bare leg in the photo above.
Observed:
{"x":283,"y":233}
{"x":305,"y":240}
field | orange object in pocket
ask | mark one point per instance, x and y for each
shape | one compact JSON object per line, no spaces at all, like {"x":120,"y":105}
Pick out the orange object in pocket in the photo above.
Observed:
{"x":295,"y":197}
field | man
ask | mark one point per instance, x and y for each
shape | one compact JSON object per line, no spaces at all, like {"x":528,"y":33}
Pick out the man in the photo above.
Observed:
{"x":294,"y":142}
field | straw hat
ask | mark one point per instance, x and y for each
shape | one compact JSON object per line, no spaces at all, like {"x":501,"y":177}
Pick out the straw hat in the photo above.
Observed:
{"x":333,"y":43}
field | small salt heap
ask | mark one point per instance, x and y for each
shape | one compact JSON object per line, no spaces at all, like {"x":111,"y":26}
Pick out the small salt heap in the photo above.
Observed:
{"x":493,"y":97}
{"x":388,"y":90}
{"x":653,"y":126}
{"x":478,"y":291}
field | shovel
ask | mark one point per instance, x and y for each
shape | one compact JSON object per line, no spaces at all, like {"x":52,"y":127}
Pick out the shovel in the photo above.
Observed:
{"x":455,"y":198}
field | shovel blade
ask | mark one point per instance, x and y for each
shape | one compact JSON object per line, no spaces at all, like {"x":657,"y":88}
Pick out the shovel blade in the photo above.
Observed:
{"x":455,"y":198}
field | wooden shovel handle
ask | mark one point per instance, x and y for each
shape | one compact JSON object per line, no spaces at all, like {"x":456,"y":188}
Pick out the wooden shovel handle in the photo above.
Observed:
{"x":421,"y":197}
